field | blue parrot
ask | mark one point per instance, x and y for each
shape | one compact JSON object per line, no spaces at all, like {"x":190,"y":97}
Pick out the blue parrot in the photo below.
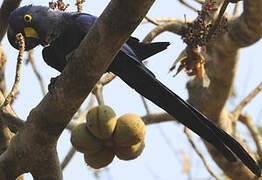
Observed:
{"x":61,"y":33}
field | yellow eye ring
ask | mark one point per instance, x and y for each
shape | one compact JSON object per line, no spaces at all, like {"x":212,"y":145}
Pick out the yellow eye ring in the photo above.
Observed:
{"x":28,"y":18}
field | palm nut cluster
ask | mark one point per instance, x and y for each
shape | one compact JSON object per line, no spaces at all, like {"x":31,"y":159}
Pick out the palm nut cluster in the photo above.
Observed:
{"x":103,"y":136}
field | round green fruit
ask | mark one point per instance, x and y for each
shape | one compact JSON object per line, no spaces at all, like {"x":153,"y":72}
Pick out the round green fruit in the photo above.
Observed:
{"x":99,"y":159}
{"x":84,"y":141}
{"x":130,"y":152}
{"x":130,"y":129}
{"x":101,"y":121}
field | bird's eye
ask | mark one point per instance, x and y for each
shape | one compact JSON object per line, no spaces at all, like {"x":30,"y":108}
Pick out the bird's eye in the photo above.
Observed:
{"x":28,"y":18}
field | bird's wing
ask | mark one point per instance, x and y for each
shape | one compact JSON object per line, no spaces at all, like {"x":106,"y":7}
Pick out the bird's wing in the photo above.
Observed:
{"x":53,"y":58}
{"x":133,"y":47}
{"x":85,"y":21}
{"x":145,"y":50}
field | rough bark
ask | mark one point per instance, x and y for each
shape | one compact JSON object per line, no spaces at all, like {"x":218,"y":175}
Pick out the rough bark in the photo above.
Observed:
{"x":221,"y":67}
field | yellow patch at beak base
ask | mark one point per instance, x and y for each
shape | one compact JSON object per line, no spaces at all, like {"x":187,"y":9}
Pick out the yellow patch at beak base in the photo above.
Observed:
{"x":31,"y":33}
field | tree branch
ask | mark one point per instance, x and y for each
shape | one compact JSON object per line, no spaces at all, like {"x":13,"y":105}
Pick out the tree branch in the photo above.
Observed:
{"x":11,"y":95}
{"x":157,"y":21}
{"x":148,"y":19}
{"x":36,"y":142}
{"x":3,"y":59}
{"x":107,"y":79}
{"x":5,"y":133}
{"x":221,"y":66}
{"x":174,"y":27}
{"x":157,"y":118}
{"x":246,"y":29}
{"x":8,"y":116}
{"x":243,"y":103}
{"x":188,"y":5}
{"x":247,"y":99}
{"x":211,"y":172}
{"x":31,"y":59}
{"x":236,"y":9}
{"x":68,"y":157}
{"x":13,"y":123}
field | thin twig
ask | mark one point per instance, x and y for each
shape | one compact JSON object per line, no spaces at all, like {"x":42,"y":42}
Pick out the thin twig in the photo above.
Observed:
{"x":98,"y":92}
{"x":68,"y":157}
{"x":107,"y":79}
{"x":186,"y":162}
{"x":5,"y":133}
{"x":148,"y":119}
{"x":242,"y":104}
{"x":148,"y":111}
{"x":79,"y":4}
{"x":84,"y":113}
{"x":200,"y":1}
{"x":163,"y":20}
{"x":157,"y":118}
{"x":186,"y":130}
{"x":247,"y":99}
{"x":152,"y":21}
{"x":3,"y":59}
{"x":174,"y":27}
{"x":81,"y":117}
{"x":236,"y":9}
{"x":188,"y":5}
{"x":11,"y":95}
{"x":247,"y":120}
{"x":39,"y":77}
{"x":98,"y":89}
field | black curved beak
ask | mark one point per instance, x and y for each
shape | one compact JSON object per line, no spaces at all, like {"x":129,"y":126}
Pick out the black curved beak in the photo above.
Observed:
{"x":30,"y":41}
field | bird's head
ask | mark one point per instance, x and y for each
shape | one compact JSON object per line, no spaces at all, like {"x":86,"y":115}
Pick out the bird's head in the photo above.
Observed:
{"x":32,"y":22}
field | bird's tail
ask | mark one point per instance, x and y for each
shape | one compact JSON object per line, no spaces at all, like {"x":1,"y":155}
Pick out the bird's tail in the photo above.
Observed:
{"x":144,"y":82}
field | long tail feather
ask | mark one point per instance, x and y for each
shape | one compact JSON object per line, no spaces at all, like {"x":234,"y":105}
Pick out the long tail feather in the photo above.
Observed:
{"x":143,"y":81}
{"x":231,"y":143}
